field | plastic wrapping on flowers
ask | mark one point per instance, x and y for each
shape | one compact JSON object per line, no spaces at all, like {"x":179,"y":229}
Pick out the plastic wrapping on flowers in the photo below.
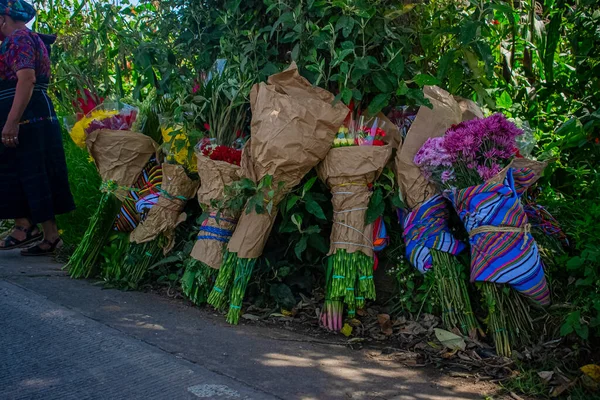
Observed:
{"x":178,"y":147}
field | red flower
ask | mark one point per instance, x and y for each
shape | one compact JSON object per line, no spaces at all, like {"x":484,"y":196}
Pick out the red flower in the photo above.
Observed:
{"x":518,"y":153}
{"x":207,"y":127}
{"x":87,"y":102}
{"x":495,"y":22}
{"x":223,"y":153}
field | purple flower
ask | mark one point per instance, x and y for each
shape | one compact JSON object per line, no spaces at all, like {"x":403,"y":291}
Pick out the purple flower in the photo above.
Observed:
{"x":447,"y":175}
{"x":486,"y":173}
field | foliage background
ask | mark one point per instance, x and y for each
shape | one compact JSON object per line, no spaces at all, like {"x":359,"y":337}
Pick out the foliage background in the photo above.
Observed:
{"x":534,"y":61}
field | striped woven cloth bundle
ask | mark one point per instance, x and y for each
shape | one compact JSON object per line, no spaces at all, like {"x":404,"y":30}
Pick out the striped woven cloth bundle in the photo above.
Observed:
{"x":502,"y":247}
{"x":425,"y":228}
{"x":146,"y":186}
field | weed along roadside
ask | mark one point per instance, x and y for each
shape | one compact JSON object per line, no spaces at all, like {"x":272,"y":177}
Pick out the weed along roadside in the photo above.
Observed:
{"x":414,"y":179}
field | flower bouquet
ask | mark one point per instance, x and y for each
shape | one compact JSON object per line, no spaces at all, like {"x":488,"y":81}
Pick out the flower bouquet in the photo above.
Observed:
{"x":109,"y":115}
{"x":475,"y":162}
{"x":120,"y":157}
{"x":218,"y":167}
{"x":430,"y":244}
{"x":155,"y":234}
{"x":293,"y":127}
{"x":349,"y":170}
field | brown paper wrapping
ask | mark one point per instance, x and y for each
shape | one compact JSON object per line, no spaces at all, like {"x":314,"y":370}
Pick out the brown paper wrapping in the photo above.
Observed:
{"x":120,"y":156}
{"x":537,"y":167}
{"x":214,"y":177}
{"x":469,"y":109}
{"x":293,"y":127}
{"x":348,"y":171}
{"x":428,"y":123}
{"x":166,"y":214}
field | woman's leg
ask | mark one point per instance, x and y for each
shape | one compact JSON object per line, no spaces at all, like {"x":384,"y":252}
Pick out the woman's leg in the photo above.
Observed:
{"x":50,"y":243}
{"x":50,"y":232}
{"x":25,"y":226}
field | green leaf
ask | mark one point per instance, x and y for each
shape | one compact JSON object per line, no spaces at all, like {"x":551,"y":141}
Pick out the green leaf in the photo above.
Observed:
{"x":376,"y":206}
{"x":383,"y":83}
{"x":444,"y":63}
{"x":397,"y":201}
{"x":402,"y":89}
{"x":346,"y":24}
{"x":575,"y":263}
{"x":468,"y":31}
{"x":504,"y":101}
{"x":283,"y":295}
{"x":552,"y":40}
{"x":426,"y":79}
{"x":295,"y":52}
{"x":347,"y":95}
{"x":397,"y":65}
{"x":297,"y":220}
{"x":301,"y":246}
{"x":379,"y":102}
{"x":315,"y":209}
{"x":308,"y":185}
{"x":318,"y":242}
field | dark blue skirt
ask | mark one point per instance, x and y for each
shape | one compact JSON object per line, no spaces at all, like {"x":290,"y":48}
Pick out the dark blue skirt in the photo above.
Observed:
{"x":33,"y":176}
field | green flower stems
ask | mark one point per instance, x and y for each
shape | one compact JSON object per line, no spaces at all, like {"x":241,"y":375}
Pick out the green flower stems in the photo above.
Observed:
{"x":453,"y":295}
{"x":350,"y":282}
{"x":231,"y":285}
{"x":114,"y":253}
{"x":196,"y":281}
{"x":220,"y":291}
{"x":243,"y":272}
{"x":83,"y":261}
{"x":508,"y":318}
{"x":139,"y":259}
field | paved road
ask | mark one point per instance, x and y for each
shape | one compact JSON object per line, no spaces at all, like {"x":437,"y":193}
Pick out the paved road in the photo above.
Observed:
{"x":66,"y":339}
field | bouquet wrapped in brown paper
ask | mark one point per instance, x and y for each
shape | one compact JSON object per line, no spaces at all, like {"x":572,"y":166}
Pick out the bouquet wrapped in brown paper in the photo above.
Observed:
{"x":120,"y":156}
{"x":349,"y":172}
{"x":219,"y":225}
{"x":176,"y":189}
{"x":293,"y":126}
{"x":430,"y":245}
{"x":155,"y":234}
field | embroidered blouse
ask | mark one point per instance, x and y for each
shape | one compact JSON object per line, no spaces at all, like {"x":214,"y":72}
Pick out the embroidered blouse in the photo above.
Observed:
{"x":23,"y":49}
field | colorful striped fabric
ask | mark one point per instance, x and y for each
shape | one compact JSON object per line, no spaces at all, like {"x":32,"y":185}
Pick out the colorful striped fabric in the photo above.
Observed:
{"x":147,"y":185}
{"x":210,"y":232}
{"x":426,"y":228}
{"x":502,"y":257}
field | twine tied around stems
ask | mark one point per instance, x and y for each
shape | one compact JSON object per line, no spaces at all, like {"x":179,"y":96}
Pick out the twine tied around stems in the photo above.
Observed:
{"x":216,"y":233}
{"x":526,"y":230}
{"x":367,"y":239}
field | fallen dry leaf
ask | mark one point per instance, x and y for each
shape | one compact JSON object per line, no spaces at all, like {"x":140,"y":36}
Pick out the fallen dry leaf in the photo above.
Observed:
{"x":385,"y":324}
{"x":450,"y":340}
{"x":546,"y":375}
{"x":592,"y":370}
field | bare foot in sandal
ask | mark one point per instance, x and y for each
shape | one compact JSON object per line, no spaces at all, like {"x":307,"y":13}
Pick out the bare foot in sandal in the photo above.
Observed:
{"x":23,"y":234}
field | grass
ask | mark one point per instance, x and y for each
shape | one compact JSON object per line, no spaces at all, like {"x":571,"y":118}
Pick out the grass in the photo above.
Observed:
{"x":85,"y":184}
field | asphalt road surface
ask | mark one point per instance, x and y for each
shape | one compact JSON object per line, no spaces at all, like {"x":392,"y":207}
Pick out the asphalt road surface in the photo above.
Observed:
{"x":67,"y":339}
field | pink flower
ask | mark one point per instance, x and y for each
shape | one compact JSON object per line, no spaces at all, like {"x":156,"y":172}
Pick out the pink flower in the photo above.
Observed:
{"x":447,"y":175}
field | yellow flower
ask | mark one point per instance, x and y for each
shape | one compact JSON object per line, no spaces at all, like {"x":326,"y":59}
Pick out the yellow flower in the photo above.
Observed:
{"x":78,"y":131}
{"x":180,"y":157}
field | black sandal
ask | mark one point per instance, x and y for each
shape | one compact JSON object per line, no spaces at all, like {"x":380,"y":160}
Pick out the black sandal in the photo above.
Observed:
{"x":37,"y":250}
{"x":10,"y":242}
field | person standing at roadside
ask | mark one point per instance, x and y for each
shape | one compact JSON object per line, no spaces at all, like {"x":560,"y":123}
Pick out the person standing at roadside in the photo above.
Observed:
{"x":33,"y":171}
